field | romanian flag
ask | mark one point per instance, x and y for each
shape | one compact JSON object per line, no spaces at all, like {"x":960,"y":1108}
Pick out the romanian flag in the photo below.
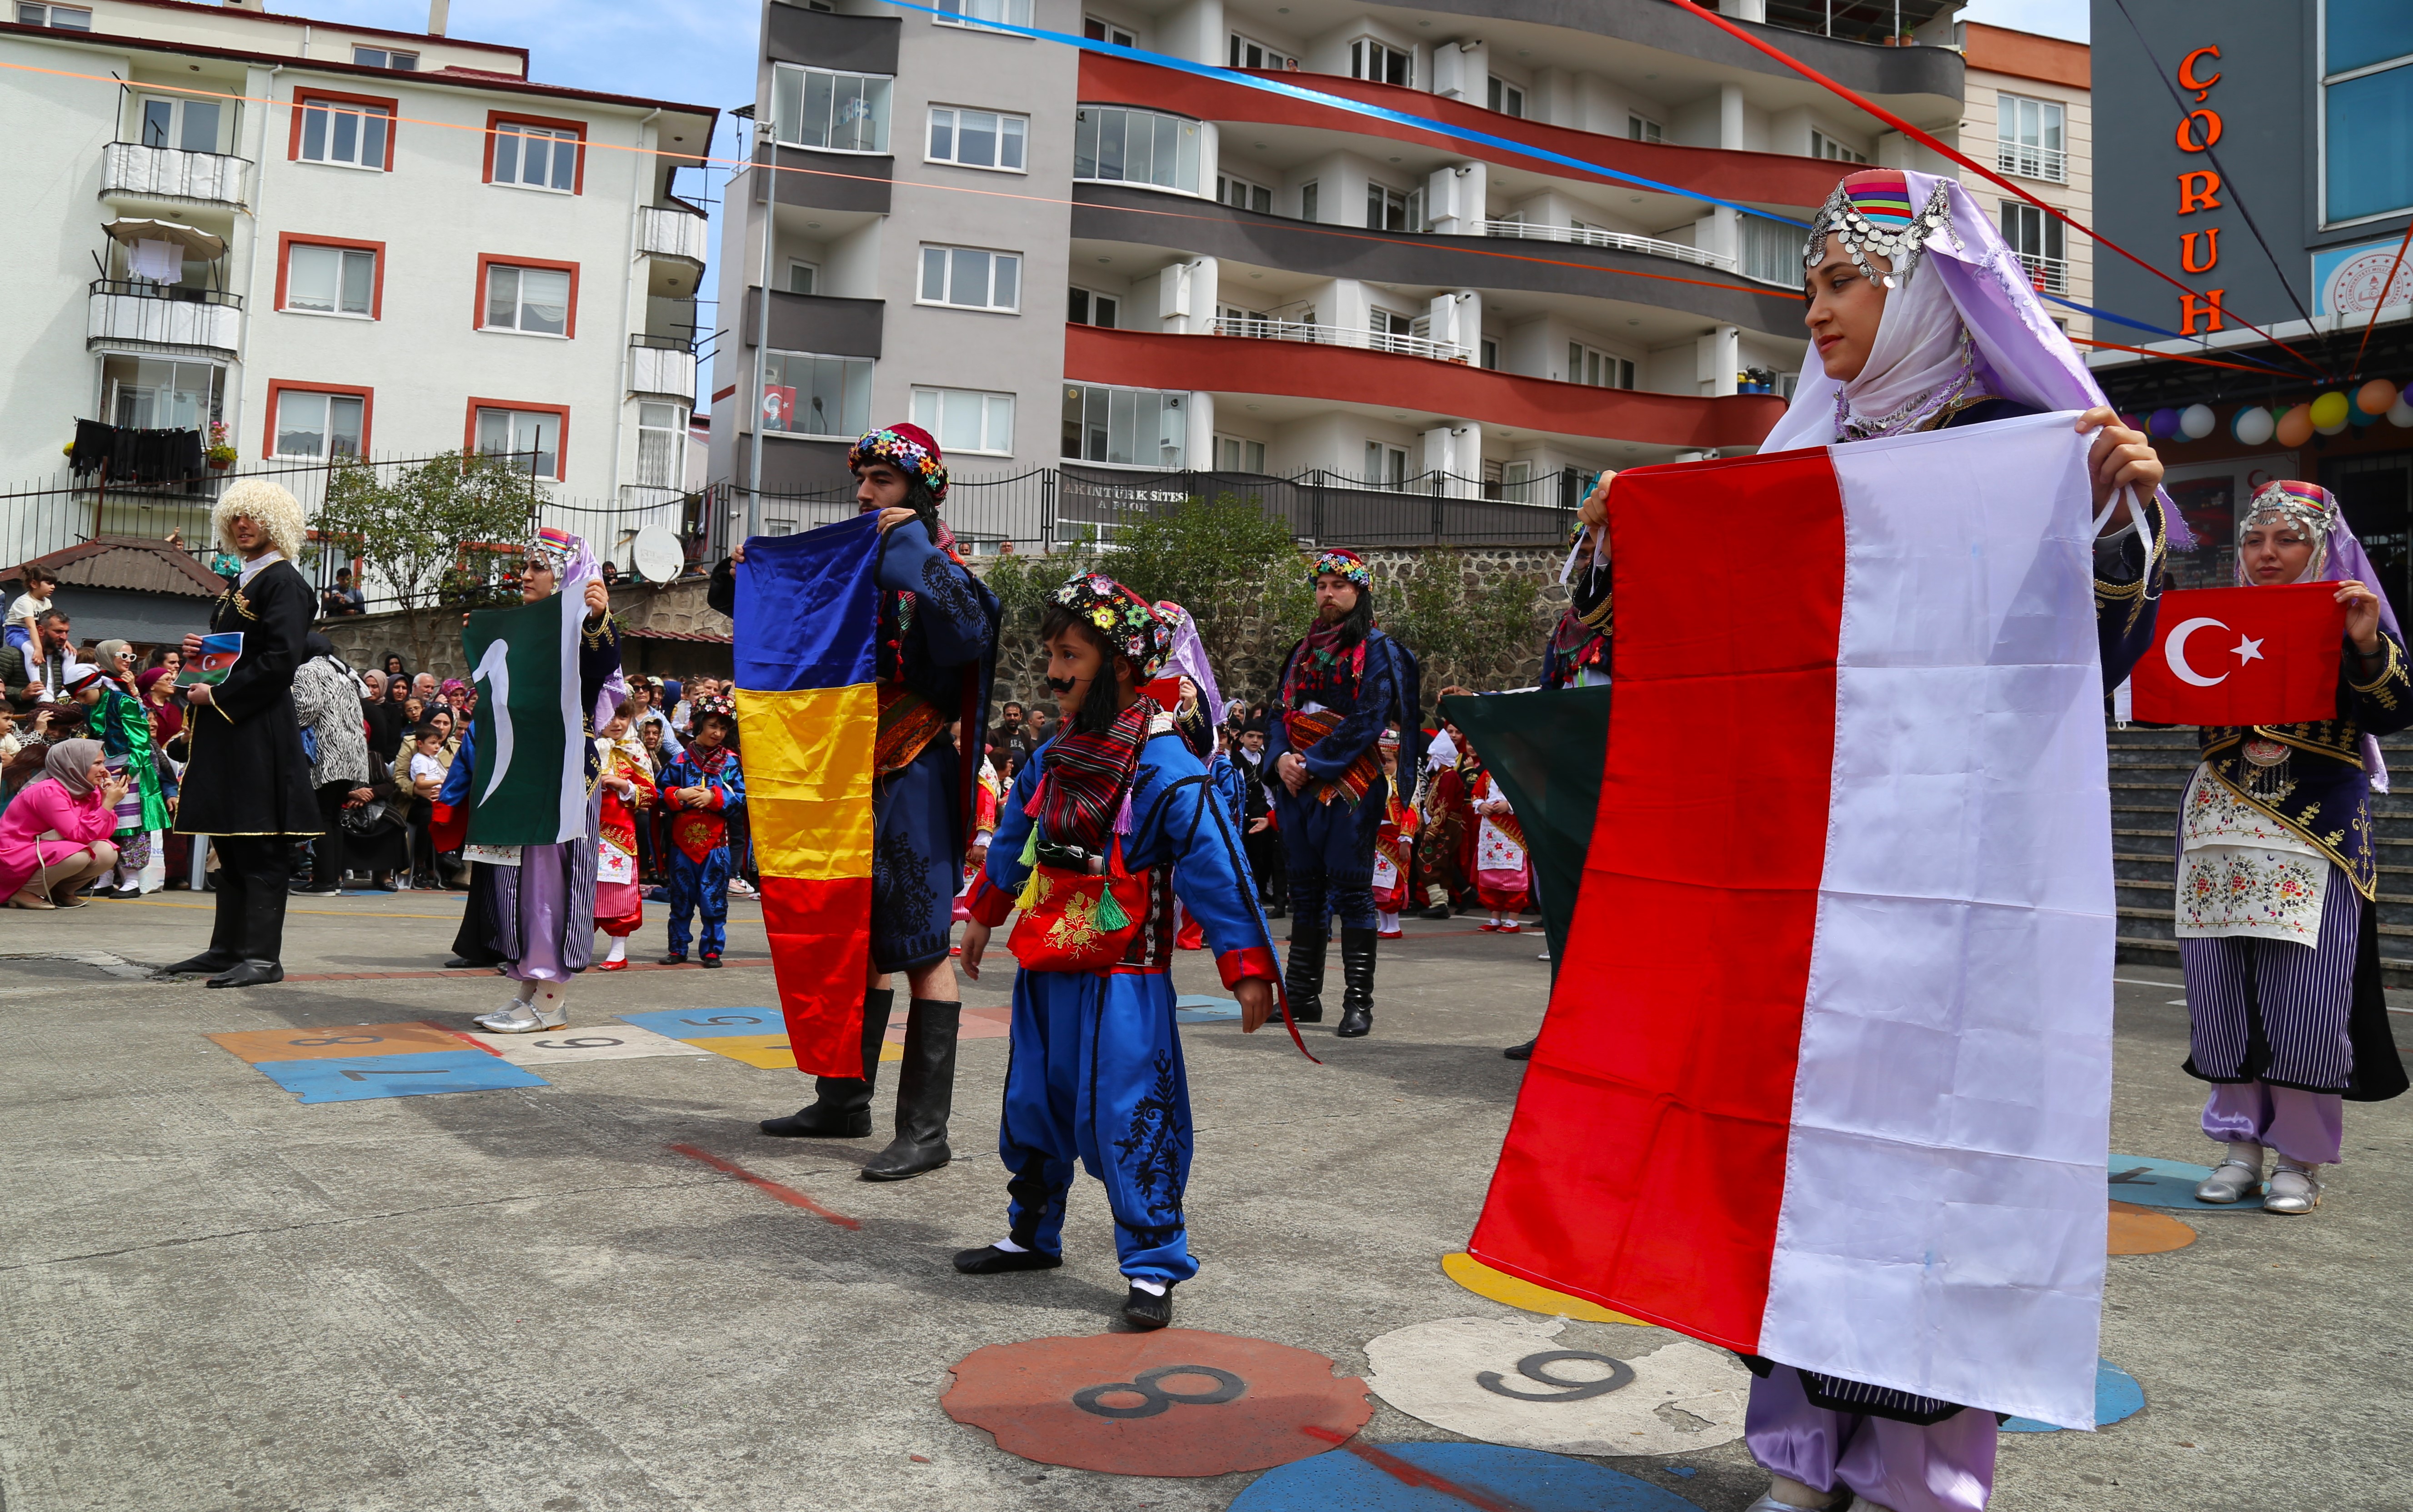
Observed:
{"x":808,"y":713}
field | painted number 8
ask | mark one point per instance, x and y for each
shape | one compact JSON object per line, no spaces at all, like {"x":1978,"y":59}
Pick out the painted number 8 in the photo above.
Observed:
{"x":342,"y":1040}
{"x":1536,"y":1368}
{"x":1155,"y":1399}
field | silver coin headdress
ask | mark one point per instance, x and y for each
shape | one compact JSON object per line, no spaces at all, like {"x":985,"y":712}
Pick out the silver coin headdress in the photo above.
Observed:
{"x":1872,"y":212}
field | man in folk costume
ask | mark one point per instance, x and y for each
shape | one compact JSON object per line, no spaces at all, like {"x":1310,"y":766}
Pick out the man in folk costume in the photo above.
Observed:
{"x":1111,"y":822}
{"x":543,"y":901}
{"x":1394,"y":844}
{"x":2277,"y":883}
{"x":703,"y":788}
{"x":626,"y":783}
{"x":1340,"y":687}
{"x":248,"y":780}
{"x":938,"y":660}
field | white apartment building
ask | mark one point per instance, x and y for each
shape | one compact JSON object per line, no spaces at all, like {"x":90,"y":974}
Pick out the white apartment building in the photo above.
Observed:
{"x":2029,"y":117}
{"x":336,"y":240}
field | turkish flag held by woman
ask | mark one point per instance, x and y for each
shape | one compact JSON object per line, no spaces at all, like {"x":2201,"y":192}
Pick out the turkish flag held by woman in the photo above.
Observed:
{"x":2256,"y":655}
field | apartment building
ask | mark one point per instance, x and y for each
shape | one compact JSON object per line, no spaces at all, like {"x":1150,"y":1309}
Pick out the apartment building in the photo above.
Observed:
{"x":1053,"y":256}
{"x":338,"y":241}
{"x":2029,"y":114}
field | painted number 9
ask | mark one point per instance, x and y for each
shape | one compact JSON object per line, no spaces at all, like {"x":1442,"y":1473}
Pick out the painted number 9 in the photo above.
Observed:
{"x":1537,"y":1368}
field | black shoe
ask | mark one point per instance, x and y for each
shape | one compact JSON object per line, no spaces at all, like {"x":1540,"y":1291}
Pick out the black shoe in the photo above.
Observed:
{"x":1304,"y":976}
{"x":315,"y":892}
{"x":712,"y":962}
{"x":676,"y":958}
{"x":926,"y":1094}
{"x":841,"y":1106}
{"x":988,"y":1260}
{"x":1522,"y":1052}
{"x":462,"y":963}
{"x":386,"y":884}
{"x":1277,"y":911}
{"x":1356,"y":1024}
{"x":208,"y":963}
{"x":248,"y":973}
{"x":1147,"y":1312}
{"x":1357,"y":977}
{"x":1436,"y":911}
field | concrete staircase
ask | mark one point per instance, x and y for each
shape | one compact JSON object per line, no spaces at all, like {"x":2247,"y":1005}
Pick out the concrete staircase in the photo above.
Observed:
{"x":2149,"y":774}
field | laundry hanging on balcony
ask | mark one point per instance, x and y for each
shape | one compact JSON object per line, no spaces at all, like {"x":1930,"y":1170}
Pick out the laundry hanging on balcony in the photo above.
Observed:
{"x":162,"y":262}
{"x":157,"y":250}
{"x":133,"y":456}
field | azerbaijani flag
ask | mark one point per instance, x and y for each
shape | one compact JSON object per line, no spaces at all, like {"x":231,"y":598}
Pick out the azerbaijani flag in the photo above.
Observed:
{"x":807,"y":714}
{"x":1825,"y":1076}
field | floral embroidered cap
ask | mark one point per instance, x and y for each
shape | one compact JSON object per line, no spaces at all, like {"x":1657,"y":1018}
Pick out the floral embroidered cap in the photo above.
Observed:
{"x":908,"y":448}
{"x":1131,"y":625}
{"x":1345,"y":564}
{"x":712,"y":703}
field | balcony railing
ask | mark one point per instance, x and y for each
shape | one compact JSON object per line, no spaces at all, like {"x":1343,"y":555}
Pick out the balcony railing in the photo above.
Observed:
{"x":661,"y":365}
{"x":155,"y":316}
{"x":1593,"y":236}
{"x":670,"y":233}
{"x":2050,"y":275}
{"x":2028,"y":161}
{"x":129,"y":167}
{"x":1268,"y":330}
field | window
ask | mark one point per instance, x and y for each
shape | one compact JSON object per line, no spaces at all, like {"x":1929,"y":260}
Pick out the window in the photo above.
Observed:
{"x":1384,"y":64}
{"x":538,"y":300}
{"x":1638,"y":129}
{"x":1591,"y":365}
{"x":661,"y":446}
{"x":1386,"y":466}
{"x":802,"y":276}
{"x":66,"y":18}
{"x":1306,"y":201}
{"x":378,"y":57}
{"x":1772,"y":251}
{"x":1234,"y":454}
{"x":973,"y":12}
{"x":965,"y":419}
{"x":1491,"y":353}
{"x":805,"y":394}
{"x":1822,"y":145}
{"x":2036,"y":237}
{"x":1135,"y":147}
{"x":317,"y":423}
{"x":2366,"y":108}
{"x":835,"y":111}
{"x":535,"y":154}
{"x":1241,"y":195}
{"x":1099,"y":31}
{"x":971,"y":279}
{"x":2029,"y":138}
{"x":1388,"y":210}
{"x":1516,"y":482}
{"x":1506,"y":98}
{"x":147,"y":393}
{"x":523,"y":440}
{"x":330,"y":279}
{"x":1132,"y":427}
{"x":1089,"y":309}
{"x":1387,"y":323}
{"x":187,"y":126}
{"x":1248,"y":52}
{"x":978,"y":138}
{"x":344,"y":129}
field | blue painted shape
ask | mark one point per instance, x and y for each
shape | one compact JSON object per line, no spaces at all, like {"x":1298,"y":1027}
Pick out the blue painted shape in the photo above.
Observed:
{"x":1197,"y":1007}
{"x":709,"y":1023}
{"x":2152,"y":1183}
{"x":2117,"y":1396}
{"x":351,"y":1079}
{"x":1524,"y":1478}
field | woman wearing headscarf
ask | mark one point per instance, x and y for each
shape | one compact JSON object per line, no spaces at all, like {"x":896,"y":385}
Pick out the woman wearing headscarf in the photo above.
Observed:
{"x":125,"y":728}
{"x":2277,"y":914}
{"x":326,"y":698}
{"x":1922,"y":319}
{"x":54,"y":834}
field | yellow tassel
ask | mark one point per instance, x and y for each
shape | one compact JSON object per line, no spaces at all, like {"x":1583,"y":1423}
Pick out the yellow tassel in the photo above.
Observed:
{"x":1109,"y":913}
{"x":1032,"y":891}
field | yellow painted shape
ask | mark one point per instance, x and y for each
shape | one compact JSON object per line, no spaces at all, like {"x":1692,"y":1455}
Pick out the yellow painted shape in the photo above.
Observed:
{"x":1483,"y":1280}
{"x":808,"y":779}
{"x":769,"y":1052}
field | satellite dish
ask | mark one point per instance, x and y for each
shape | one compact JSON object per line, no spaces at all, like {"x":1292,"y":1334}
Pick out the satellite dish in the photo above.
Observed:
{"x":657,"y":554}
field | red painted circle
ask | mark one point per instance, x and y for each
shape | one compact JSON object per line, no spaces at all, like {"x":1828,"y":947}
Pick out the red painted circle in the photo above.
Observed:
{"x":1210,"y":1403}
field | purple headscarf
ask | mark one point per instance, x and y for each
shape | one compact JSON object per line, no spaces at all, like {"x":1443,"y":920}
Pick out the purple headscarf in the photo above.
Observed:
{"x":2340,"y":558}
{"x":1189,"y":658}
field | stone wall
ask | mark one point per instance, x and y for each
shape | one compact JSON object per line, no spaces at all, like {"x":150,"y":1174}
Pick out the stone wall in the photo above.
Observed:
{"x":676,"y":608}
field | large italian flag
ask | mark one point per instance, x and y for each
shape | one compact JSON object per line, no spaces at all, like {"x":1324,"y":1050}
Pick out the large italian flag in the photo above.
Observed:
{"x":1825,"y":1076}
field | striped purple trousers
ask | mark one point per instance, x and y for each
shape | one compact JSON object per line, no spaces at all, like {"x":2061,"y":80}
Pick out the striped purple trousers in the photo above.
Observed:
{"x":2272,"y":1010}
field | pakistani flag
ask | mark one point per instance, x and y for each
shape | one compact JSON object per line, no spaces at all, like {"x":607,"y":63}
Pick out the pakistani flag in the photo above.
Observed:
{"x":529,"y":786}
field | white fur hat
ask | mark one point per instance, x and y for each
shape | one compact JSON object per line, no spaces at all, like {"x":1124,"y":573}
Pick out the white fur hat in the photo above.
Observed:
{"x":265,"y":504}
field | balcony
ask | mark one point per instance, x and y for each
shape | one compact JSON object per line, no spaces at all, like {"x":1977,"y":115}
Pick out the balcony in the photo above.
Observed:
{"x":662,"y":366}
{"x":131,"y":170}
{"x":664,"y":232}
{"x":2050,"y":276}
{"x":2027,"y":160}
{"x":1405,"y":346}
{"x":1593,"y":236}
{"x":133,"y":315}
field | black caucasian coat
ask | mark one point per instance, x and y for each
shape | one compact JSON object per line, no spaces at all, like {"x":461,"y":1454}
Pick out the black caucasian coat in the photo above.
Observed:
{"x":248,"y":775}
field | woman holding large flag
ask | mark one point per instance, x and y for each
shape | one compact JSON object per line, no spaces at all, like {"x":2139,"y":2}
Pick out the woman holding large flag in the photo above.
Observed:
{"x":2276,"y":882}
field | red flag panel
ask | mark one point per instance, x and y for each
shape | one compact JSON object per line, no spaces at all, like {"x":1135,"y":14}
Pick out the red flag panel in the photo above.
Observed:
{"x":2259,"y":655}
{"x":821,"y":951}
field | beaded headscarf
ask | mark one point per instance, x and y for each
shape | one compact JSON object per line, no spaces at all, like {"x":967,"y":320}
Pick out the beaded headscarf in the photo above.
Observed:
{"x":908,"y":448}
{"x":1872,"y":212}
{"x":2304,"y":510}
{"x":1129,"y":623}
{"x":1348,"y":564}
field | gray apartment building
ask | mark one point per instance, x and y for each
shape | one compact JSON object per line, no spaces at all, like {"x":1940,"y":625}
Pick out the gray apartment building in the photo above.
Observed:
{"x":1097,"y":261}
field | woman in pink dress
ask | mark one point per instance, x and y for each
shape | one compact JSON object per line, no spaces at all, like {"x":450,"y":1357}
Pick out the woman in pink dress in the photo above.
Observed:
{"x":54,"y":836}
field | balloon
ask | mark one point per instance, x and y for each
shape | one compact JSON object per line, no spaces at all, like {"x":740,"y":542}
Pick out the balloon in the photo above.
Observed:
{"x":2295,"y":426}
{"x":2329,"y":411}
{"x":2197,"y":422}
{"x":2402,"y":415}
{"x":2359,"y":417}
{"x":2376,"y":397}
{"x":2253,"y":425}
{"x":2163,"y":423}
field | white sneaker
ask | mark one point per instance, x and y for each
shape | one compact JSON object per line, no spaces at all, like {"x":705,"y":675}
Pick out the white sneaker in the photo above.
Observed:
{"x":516,"y":1018}
{"x":2292,"y":1190}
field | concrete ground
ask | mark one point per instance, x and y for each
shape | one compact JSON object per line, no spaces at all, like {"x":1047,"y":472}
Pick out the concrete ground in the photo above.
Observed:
{"x":214,"y":1296}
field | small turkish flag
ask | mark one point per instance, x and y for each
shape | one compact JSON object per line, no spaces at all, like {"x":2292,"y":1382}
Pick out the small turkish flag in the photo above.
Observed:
{"x":2266,"y":656}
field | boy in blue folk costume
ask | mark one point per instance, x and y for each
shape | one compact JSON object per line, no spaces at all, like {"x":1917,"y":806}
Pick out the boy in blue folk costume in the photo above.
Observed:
{"x":702,"y":788}
{"x":1106,"y":825}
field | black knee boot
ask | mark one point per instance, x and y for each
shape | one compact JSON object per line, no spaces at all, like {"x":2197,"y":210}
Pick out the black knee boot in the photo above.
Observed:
{"x":261,"y":861}
{"x":1303,"y":976}
{"x":841,"y":1106}
{"x":1357,"y":982}
{"x":926,"y":1094}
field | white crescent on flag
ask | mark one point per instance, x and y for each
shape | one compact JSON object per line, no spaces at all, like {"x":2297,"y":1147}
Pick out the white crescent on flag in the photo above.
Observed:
{"x":495,"y":670}
{"x":2174,"y":652}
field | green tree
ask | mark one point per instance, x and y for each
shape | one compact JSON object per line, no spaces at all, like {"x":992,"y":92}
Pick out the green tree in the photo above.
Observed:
{"x":434,"y":536}
{"x":1462,"y":631}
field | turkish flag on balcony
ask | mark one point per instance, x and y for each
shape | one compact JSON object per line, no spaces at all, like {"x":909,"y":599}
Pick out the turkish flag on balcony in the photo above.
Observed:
{"x":2266,"y":656}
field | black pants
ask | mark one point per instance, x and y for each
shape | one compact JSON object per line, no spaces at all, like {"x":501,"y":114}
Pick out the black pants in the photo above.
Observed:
{"x":424,"y":869}
{"x":327,"y":850}
{"x":252,"y":879}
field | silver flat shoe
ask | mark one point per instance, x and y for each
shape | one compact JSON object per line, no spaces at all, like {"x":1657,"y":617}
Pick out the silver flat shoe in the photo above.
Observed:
{"x":2292,"y":1190}
{"x":515,"y":1018}
{"x":2232,"y":1181}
